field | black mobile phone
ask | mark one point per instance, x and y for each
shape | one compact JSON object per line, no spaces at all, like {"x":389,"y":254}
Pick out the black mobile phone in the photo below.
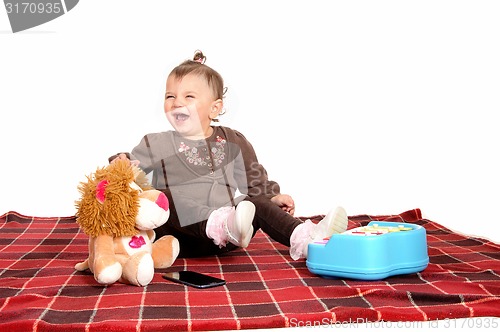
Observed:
{"x":194,"y":279}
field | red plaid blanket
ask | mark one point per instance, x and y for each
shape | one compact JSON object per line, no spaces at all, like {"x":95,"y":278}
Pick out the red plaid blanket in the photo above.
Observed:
{"x":41,"y":291}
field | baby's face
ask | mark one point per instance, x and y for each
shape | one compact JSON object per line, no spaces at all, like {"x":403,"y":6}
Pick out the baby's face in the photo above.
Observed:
{"x":190,"y":106}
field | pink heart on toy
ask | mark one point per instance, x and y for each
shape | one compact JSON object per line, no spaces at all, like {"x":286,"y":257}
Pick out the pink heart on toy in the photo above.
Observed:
{"x":136,"y":242}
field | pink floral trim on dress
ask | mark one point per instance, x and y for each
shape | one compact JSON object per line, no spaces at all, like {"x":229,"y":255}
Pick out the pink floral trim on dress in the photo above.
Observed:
{"x":193,"y":155}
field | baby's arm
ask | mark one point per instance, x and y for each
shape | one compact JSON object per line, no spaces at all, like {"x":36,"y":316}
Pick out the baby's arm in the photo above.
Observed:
{"x":142,"y":154}
{"x":250,"y":174}
{"x":258,"y":184}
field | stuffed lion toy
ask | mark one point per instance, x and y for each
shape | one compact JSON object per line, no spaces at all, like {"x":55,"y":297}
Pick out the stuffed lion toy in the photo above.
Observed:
{"x":119,"y":211}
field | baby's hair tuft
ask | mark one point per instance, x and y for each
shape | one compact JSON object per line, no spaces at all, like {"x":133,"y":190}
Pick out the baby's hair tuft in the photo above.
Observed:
{"x":199,"y":57}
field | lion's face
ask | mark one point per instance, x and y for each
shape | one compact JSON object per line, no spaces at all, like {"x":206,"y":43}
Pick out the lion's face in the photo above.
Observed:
{"x":153,"y":210}
{"x":113,"y":203}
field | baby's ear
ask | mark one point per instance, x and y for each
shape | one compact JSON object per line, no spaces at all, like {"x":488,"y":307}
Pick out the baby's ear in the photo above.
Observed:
{"x":216,"y":108}
{"x":135,"y":162}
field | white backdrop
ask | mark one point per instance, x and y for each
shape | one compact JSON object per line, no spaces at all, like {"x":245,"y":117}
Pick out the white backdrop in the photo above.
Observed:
{"x":379,"y":106}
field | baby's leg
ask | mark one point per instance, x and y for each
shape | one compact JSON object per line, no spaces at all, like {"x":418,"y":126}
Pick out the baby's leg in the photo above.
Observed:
{"x":275,"y":222}
{"x":193,"y":240}
{"x":292,"y":232}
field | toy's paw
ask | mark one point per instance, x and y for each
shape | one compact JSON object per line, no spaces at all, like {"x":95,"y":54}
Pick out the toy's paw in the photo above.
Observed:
{"x":145,"y":270}
{"x":82,"y":266}
{"x":139,"y":269}
{"x":165,"y":251}
{"x":109,"y":274}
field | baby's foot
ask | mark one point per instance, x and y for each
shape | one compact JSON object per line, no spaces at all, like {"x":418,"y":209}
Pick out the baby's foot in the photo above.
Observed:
{"x":234,"y":225}
{"x":239,"y":229}
{"x":333,"y":223}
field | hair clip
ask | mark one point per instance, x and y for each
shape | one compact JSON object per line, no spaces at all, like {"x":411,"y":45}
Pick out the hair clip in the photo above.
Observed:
{"x":199,"y":57}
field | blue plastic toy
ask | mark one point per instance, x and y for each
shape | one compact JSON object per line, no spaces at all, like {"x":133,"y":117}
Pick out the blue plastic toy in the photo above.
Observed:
{"x":373,"y":252}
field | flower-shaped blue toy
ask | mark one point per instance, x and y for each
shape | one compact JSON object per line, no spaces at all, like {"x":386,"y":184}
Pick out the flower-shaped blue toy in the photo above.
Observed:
{"x":373,"y":252}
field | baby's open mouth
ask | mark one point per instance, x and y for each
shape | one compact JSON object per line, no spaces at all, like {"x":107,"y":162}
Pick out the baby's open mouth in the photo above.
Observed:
{"x":180,"y":116}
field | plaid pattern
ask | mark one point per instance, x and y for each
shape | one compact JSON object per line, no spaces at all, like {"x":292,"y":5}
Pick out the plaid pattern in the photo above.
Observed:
{"x":41,"y":291}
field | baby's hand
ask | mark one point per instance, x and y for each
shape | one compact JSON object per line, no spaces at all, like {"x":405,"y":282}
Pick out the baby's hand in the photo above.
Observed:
{"x":120,"y":156}
{"x":285,"y":202}
{"x":123,"y":156}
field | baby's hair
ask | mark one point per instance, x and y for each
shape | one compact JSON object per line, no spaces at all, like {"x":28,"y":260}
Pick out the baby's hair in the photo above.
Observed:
{"x":199,"y":57}
{"x":197,"y":66}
